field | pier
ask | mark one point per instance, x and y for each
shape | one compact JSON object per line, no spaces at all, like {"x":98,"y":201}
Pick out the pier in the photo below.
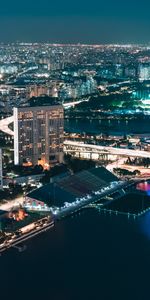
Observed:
{"x":98,"y":200}
{"x":17,"y":242}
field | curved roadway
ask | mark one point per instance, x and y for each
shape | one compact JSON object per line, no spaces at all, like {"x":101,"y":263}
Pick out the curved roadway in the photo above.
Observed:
{"x":4,"y":123}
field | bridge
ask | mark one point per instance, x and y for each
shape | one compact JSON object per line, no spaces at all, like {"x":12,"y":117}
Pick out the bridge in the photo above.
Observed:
{"x":95,"y":152}
{"x":73,"y":103}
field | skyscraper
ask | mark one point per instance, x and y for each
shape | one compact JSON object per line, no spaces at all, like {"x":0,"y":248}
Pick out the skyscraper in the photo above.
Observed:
{"x":144,"y":72}
{"x":1,"y":170}
{"x":38,"y":135}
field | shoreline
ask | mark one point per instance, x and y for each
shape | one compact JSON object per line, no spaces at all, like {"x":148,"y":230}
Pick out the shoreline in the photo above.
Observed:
{"x":39,"y":226}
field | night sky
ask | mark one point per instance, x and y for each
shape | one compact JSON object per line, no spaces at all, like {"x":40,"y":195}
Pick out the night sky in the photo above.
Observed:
{"x":91,"y":21}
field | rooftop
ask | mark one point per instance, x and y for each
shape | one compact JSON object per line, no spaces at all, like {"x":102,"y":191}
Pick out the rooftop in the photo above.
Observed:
{"x":69,"y":188}
{"x":43,"y":101}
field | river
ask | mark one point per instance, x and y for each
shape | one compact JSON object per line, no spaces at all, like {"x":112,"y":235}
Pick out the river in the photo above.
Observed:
{"x":118,"y":127}
{"x":90,"y":255}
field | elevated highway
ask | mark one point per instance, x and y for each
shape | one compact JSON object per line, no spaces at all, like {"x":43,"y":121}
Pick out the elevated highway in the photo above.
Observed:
{"x":4,"y":125}
{"x":82,"y":148}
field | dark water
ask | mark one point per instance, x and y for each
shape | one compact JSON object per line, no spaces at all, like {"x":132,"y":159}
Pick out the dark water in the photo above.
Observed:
{"x":88,"y":256}
{"x":106,"y":126}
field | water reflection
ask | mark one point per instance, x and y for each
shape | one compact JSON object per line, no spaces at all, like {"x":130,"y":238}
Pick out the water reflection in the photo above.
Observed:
{"x":144,"y":187}
{"x":125,"y":126}
{"x":144,"y":224}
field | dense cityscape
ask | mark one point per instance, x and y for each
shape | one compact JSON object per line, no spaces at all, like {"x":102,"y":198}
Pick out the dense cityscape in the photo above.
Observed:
{"x":71,"y":139}
{"x":66,"y":109}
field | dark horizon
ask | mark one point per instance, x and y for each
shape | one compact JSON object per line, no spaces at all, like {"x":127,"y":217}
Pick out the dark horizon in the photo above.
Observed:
{"x":98,"y":22}
{"x":61,"y":43}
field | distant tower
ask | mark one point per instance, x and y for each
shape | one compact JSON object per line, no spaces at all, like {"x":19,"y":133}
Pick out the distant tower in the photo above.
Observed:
{"x":144,"y":72}
{"x":55,"y":92}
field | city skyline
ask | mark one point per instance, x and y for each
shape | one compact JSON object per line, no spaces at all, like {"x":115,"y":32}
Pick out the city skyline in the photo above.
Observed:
{"x":96,"y":22}
{"x":75,"y":149}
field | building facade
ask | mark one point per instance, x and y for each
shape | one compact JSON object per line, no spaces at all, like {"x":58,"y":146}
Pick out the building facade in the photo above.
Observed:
{"x":144,"y":72}
{"x":38,"y":135}
{"x":1,"y":170}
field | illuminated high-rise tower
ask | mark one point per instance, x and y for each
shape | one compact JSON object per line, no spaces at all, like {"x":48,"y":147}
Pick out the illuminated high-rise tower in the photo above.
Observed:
{"x":38,"y":135}
{"x":1,"y":170}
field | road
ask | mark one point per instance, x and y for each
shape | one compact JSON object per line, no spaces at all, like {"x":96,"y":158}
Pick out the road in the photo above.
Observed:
{"x":73,"y":103}
{"x":11,"y":204}
{"x":143,"y":171}
{"x":4,"y":123}
{"x":70,"y":146}
{"x":16,"y":240}
{"x":116,"y":164}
